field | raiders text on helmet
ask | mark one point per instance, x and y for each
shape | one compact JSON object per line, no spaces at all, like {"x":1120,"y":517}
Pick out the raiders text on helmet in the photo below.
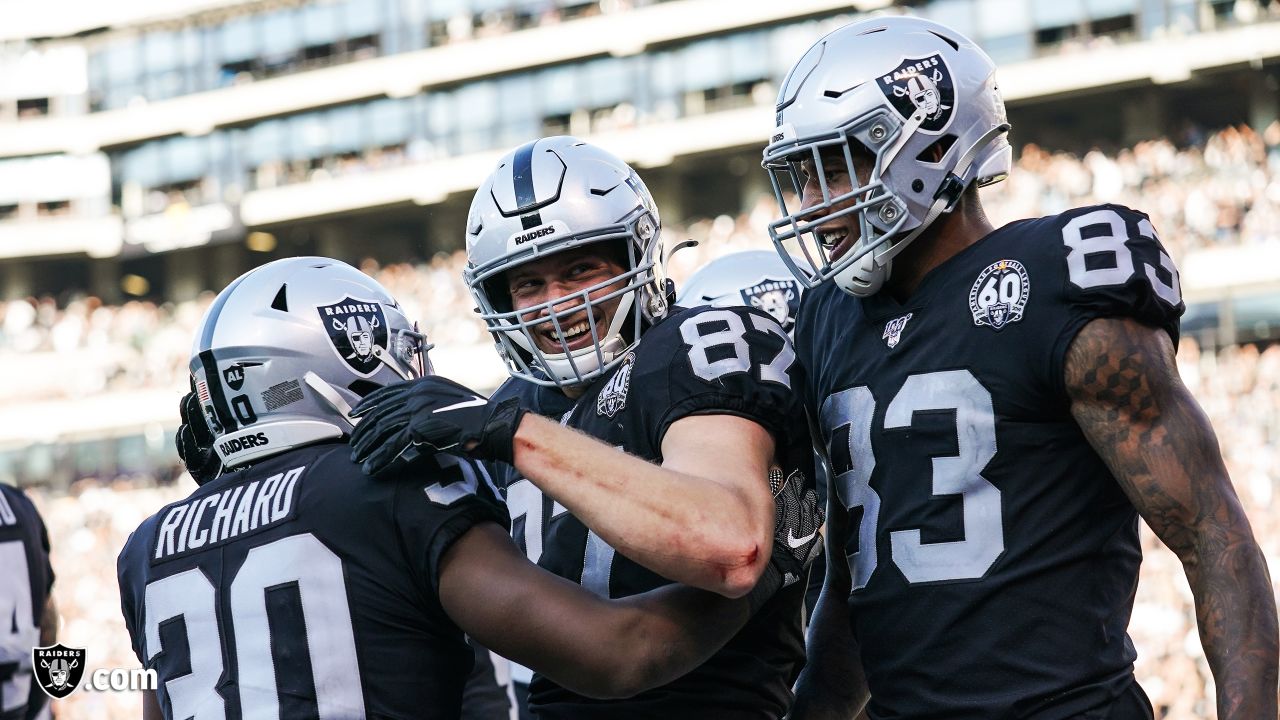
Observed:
{"x":755,"y":278}
{"x":549,"y":196}
{"x":919,"y":97}
{"x":286,"y":350}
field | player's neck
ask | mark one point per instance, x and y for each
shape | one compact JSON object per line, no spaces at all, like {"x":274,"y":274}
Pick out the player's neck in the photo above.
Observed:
{"x":948,"y":235}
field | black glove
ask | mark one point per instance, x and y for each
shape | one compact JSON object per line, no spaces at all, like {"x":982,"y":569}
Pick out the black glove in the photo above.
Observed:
{"x":434,"y":412}
{"x":194,"y":440}
{"x":796,"y":540}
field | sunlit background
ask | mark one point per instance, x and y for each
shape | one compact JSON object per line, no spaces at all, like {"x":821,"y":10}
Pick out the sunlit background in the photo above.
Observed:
{"x":152,"y":151}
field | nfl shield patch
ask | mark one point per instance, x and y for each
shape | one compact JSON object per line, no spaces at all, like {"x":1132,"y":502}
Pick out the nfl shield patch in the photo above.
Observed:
{"x":355,"y":328}
{"x":893,"y":330}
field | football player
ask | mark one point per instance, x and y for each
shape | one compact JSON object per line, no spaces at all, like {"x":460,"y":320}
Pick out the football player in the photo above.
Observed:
{"x":28,"y":615}
{"x":644,"y":437}
{"x":999,"y":406}
{"x":291,"y":585}
{"x":759,"y":279}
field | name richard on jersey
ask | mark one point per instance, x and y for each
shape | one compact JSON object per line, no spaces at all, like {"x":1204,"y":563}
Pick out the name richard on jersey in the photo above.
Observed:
{"x":218,"y":517}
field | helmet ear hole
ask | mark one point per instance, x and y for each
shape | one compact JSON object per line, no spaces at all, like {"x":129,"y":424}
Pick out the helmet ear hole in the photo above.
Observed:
{"x":934,"y":153}
{"x":363,"y":387}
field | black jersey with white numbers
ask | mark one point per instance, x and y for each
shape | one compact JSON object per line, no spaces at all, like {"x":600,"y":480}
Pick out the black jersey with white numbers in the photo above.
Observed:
{"x":994,"y":557}
{"x":304,"y":587}
{"x":26,"y":578}
{"x":733,"y":361}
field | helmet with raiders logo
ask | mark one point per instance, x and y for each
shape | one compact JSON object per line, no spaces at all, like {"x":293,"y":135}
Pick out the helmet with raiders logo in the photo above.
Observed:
{"x":919,"y":98}
{"x":755,"y":278}
{"x":549,"y":196}
{"x":287,"y":349}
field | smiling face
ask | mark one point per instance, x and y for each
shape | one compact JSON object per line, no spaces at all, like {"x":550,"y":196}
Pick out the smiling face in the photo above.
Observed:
{"x":566,"y":275}
{"x":838,"y":234}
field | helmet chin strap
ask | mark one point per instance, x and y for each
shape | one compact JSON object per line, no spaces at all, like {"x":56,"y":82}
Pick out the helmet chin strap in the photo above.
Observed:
{"x":333,"y":399}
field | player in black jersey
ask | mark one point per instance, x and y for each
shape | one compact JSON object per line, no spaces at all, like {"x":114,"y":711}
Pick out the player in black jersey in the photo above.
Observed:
{"x":27,"y":612}
{"x":666,"y":424}
{"x":998,"y":409}
{"x":291,"y":585}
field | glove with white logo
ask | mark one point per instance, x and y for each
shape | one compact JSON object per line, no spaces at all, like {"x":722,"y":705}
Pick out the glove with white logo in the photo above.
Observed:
{"x":195,"y":441}
{"x":797,"y":541}
{"x":436,"y":413}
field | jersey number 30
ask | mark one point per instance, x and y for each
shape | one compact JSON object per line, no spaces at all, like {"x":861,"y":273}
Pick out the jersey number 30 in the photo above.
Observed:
{"x":299,"y":561}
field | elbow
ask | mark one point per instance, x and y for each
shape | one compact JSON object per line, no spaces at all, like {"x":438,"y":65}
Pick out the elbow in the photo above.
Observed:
{"x":621,"y":676}
{"x":739,"y":569}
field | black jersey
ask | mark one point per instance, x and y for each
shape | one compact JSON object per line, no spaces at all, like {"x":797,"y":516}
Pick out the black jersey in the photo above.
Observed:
{"x":26,"y":578}
{"x":302,"y":585}
{"x":994,"y":557}
{"x":704,"y":360}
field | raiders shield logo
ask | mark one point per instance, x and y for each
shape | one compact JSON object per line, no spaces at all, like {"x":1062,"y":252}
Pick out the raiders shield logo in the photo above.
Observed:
{"x":355,"y":328}
{"x":922,"y":84}
{"x":58,"y":669}
{"x":779,"y":298}
{"x":1000,"y":294}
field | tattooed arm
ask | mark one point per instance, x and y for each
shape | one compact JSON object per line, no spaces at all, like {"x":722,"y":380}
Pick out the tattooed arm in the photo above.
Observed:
{"x":1131,"y":404}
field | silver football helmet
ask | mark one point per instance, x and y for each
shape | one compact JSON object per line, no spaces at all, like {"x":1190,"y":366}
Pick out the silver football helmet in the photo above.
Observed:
{"x":917,"y":96}
{"x":286,"y":349}
{"x":549,"y":196}
{"x":757,"y":278}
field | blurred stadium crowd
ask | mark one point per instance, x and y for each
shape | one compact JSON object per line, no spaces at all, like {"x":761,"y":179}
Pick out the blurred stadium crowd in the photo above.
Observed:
{"x":1201,"y":189}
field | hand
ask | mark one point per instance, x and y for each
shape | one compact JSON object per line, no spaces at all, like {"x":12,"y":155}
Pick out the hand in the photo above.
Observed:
{"x":797,"y":517}
{"x":434,"y":412}
{"x":195,"y":441}
{"x":797,"y":542}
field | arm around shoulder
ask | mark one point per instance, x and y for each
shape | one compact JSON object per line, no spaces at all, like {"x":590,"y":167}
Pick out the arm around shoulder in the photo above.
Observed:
{"x":600,"y":648}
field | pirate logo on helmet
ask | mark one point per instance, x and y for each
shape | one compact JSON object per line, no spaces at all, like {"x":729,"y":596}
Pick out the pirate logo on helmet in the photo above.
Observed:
{"x":921,"y":85}
{"x":58,"y":669}
{"x":779,"y":298}
{"x":355,"y":328}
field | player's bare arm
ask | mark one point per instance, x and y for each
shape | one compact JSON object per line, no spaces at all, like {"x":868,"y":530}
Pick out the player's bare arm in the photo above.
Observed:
{"x":832,"y":685}
{"x":617,"y":649}
{"x":1128,"y":399}
{"x":704,"y":517}
{"x":49,"y":623}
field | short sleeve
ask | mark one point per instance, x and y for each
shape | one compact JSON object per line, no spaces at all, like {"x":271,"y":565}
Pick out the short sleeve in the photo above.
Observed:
{"x":432,"y":513}
{"x":729,"y":360}
{"x":1113,"y":265}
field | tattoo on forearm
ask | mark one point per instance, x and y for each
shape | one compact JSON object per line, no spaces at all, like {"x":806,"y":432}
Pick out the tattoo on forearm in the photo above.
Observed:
{"x":1140,"y":418}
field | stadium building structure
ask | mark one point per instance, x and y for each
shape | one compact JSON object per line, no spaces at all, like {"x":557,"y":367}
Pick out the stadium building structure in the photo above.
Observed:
{"x":159,"y":149}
